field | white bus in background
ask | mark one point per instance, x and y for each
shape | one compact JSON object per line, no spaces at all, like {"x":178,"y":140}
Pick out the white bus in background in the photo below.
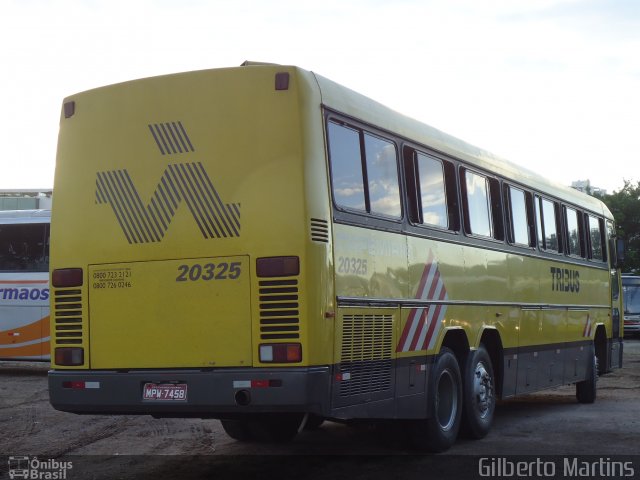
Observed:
{"x":24,"y":284}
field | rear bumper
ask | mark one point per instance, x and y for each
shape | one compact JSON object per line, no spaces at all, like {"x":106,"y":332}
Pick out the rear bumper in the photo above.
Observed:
{"x":211,"y":393}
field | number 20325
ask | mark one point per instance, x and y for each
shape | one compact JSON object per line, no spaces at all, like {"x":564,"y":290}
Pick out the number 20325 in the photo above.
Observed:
{"x":209,"y":271}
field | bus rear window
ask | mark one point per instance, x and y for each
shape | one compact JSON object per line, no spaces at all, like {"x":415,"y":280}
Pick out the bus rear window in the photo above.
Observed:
{"x":24,"y":247}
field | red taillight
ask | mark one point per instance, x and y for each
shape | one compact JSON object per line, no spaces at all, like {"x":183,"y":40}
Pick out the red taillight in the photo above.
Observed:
{"x":278,"y":266}
{"x":67,"y":277}
{"x":80,"y":385}
{"x":69,"y":356}
{"x":280,"y":353}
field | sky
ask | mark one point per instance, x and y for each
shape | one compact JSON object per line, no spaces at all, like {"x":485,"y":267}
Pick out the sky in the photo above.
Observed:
{"x":552,"y":85}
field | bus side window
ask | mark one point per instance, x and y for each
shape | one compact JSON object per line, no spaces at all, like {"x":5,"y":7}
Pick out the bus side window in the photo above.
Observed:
{"x":427,"y":190}
{"x":346,"y":167}
{"x":547,"y":221}
{"x":477,"y":206}
{"x":382,"y":176}
{"x":364,"y":171}
{"x":518,"y":217}
{"x":595,"y":227}
{"x":574,"y":232}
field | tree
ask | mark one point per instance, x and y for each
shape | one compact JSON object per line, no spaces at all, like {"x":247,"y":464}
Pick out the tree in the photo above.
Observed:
{"x":625,"y":206}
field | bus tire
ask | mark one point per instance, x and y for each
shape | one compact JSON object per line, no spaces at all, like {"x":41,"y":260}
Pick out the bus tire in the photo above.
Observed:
{"x":237,"y":429}
{"x":439,"y":431}
{"x":586,"y":390}
{"x":313,"y":422}
{"x":279,"y":428}
{"x":479,"y":400}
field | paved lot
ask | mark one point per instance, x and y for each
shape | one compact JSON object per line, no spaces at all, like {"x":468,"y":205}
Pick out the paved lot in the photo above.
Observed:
{"x":547,"y":423}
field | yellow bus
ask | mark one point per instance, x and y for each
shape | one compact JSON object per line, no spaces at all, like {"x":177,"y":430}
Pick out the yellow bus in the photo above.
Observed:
{"x":264,"y":246}
{"x":24,"y":285}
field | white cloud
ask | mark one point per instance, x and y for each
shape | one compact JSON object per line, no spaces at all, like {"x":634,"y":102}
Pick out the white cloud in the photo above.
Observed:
{"x":550,"y":84}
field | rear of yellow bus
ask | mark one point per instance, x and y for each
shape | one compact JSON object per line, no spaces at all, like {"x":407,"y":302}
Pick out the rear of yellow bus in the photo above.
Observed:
{"x":188,"y":234}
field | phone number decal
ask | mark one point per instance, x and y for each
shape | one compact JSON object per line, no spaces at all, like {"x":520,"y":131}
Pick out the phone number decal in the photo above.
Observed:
{"x":209,"y":271}
{"x":112,"y":278}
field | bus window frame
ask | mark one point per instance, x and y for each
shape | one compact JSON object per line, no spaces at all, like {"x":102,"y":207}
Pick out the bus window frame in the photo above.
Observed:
{"x":530,"y":217}
{"x":540,"y":225}
{"x":494,"y":205}
{"x":415,"y":211}
{"x":603,"y":238}
{"x":366,"y":217}
{"x":567,"y":234}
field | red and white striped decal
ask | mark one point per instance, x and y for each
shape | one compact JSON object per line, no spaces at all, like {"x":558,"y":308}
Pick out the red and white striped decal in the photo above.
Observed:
{"x":587,"y":328}
{"x":423,"y":324}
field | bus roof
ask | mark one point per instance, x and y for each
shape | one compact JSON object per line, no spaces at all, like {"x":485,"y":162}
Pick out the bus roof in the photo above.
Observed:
{"x":24,"y":216}
{"x":360,"y":107}
{"x":351,"y":103}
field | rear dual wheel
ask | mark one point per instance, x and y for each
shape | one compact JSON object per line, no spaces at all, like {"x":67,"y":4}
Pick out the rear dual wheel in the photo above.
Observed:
{"x":464,"y":400}
{"x":439,"y":431}
{"x":479,"y":394}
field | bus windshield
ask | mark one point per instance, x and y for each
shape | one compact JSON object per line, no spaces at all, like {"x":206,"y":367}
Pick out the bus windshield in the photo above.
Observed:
{"x":24,"y":247}
{"x":631,"y":290}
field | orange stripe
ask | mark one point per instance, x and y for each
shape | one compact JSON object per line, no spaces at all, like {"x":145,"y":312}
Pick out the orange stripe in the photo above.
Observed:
{"x":33,"y":331}
{"x":27,"y":351}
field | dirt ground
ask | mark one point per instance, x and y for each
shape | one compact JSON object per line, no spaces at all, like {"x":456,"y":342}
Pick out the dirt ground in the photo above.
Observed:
{"x":547,"y":423}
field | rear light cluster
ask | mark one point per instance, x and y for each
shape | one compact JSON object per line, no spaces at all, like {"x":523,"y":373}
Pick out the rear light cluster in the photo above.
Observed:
{"x":80,"y":385}
{"x":69,"y":356}
{"x":278,"y":266}
{"x":67,"y":278}
{"x":280,"y":352}
{"x":269,"y":267}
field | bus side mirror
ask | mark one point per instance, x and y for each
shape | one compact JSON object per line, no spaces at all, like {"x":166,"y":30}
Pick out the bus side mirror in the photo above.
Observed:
{"x":618,"y":250}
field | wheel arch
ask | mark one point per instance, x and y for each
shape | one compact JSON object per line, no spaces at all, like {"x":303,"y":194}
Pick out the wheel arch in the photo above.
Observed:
{"x":491,"y":340}
{"x":600,"y":344}
{"x":456,"y":340}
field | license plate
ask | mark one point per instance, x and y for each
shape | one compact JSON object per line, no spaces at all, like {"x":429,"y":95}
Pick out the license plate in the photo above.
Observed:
{"x":166,"y":392}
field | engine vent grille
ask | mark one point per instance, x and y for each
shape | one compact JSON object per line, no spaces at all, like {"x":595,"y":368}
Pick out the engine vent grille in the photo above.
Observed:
{"x":319,"y":230}
{"x":367,"y":349}
{"x":279,"y":309}
{"x":67,"y":311}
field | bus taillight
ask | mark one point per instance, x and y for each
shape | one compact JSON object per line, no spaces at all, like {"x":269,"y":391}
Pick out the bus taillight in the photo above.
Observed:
{"x":280,"y":353}
{"x":67,"y":277}
{"x":278,"y":266}
{"x":69,"y":356}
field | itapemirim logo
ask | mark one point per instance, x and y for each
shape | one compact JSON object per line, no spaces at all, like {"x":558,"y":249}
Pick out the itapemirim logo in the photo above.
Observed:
{"x":180,"y":182}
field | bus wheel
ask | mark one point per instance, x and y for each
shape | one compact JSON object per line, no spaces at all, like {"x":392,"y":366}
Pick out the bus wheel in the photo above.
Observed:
{"x":586,"y":390}
{"x":276,"y":427}
{"x":479,"y":394}
{"x":237,"y":429}
{"x":313,"y":422}
{"x":439,"y":431}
